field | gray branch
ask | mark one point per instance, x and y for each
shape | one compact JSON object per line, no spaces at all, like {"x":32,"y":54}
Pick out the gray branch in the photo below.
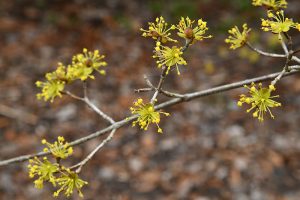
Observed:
{"x":174,"y":101}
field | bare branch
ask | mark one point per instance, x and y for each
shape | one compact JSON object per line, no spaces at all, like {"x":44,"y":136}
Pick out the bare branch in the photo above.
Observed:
{"x":265,"y":53}
{"x":84,"y":161}
{"x":296,"y":59}
{"x":283,"y":45}
{"x":161,"y":80}
{"x":164,"y":73}
{"x":86,"y":100}
{"x":185,"y":97}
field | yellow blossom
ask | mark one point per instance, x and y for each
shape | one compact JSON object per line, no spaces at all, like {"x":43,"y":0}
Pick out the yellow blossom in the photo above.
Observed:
{"x":44,"y":170}
{"x":270,"y":4}
{"x":236,"y":38}
{"x":189,"y":32}
{"x":169,"y":57}
{"x":50,"y":89}
{"x":83,"y":65}
{"x":147,"y":115}
{"x":82,"y":68}
{"x":260,"y":100}
{"x":159,"y":30}
{"x":277,"y":23}
{"x":59,"y":149}
{"x":68,"y":182}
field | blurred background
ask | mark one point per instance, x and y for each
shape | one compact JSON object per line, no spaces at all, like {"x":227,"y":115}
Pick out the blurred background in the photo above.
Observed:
{"x":210,"y":149}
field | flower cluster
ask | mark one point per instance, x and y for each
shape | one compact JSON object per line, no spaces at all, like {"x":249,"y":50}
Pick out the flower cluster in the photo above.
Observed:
{"x":270,"y":4}
{"x":44,"y":169}
{"x":82,"y":67}
{"x":277,"y":23}
{"x":169,"y":57}
{"x":236,"y":38}
{"x":54,"y":173}
{"x":68,"y":182}
{"x":159,"y":30}
{"x":59,"y":149}
{"x":189,"y":32}
{"x":146,"y":115}
{"x":260,"y":100}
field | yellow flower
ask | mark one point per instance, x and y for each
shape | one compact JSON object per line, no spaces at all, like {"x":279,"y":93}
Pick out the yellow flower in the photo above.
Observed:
{"x":83,"y":65}
{"x":277,"y":23}
{"x":236,"y":38}
{"x":159,"y":30}
{"x":59,"y":149}
{"x":270,"y":4}
{"x":45,"y":171}
{"x":260,"y":100}
{"x":50,"y":89}
{"x":147,"y":115}
{"x":169,"y":57}
{"x":189,"y":32}
{"x":54,"y":85}
{"x":68,"y":182}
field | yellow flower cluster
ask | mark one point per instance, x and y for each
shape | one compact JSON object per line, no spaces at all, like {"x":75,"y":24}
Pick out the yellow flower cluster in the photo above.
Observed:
{"x":44,"y":169}
{"x":56,"y":174}
{"x":277,"y":23}
{"x":260,"y":100}
{"x":169,"y":57}
{"x":159,"y":30}
{"x":59,"y":149}
{"x":236,"y":38}
{"x":172,"y":56}
{"x":189,"y":32}
{"x":146,"y":115}
{"x":68,"y":182}
{"x":82,"y":67}
{"x":270,"y":4}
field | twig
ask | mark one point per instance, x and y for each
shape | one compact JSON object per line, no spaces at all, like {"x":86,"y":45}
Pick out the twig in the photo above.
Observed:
{"x":283,"y":45}
{"x":186,"y":97}
{"x":166,"y":93}
{"x":265,"y":53}
{"x":161,"y":80}
{"x":164,"y":73}
{"x":84,"y":161}
{"x":86,"y":100}
{"x":143,"y":90}
{"x":285,"y":68}
{"x":98,"y":111}
{"x":296,"y":59}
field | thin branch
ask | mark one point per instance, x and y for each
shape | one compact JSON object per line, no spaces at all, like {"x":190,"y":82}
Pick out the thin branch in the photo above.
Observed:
{"x":283,"y":45}
{"x":89,"y":157}
{"x":265,"y":53}
{"x":164,"y":73}
{"x":98,"y":111}
{"x":161,"y":80}
{"x":86,"y":100}
{"x":172,"y":94}
{"x":74,"y":96}
{"x":285,"y":68}
{"x":296,"y":59}
{"x":166,"y":93}
{"x":186,"y":97}
{"x":143,"y":90}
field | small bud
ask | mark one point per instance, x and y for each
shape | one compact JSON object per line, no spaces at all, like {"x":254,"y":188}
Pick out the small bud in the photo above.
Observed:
{"x":188,"y":32}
